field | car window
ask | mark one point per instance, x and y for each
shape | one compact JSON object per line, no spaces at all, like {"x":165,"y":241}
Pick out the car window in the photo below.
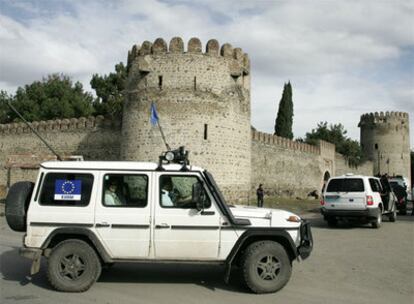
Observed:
{"x":66,"y":189}
{"x":375,"y":185}
{"x":346,"y":185}
{"x":125,"y":190}
{"x":177,"y":191}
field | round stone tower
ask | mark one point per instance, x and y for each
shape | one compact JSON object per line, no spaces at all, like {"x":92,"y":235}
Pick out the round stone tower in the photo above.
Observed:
{"x":203,"y":103}
{"x":385,"y":140}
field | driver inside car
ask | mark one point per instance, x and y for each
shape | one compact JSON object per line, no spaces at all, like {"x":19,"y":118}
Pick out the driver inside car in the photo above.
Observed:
{"x":170,"y":195}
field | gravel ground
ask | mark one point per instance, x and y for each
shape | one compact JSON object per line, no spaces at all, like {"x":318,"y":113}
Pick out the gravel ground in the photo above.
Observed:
{"x":349,"y":264}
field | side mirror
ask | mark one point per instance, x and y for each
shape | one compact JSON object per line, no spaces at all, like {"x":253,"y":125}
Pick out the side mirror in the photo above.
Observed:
{"x":198,"y":196}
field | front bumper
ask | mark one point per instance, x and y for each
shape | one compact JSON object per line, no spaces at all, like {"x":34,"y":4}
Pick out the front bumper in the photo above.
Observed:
{"x":306,"y":240}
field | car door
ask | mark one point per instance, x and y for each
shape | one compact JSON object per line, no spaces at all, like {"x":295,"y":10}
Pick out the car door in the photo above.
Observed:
{"x":181,"y":232}
{"x":123,"y":214}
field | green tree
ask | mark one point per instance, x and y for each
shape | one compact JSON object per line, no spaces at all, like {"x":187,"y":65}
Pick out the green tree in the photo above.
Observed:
{"x":109,"y":90}
{"x":54,"y":97}
{"x":336,"y":134}
{"x":4,"y":108}
{"x":284,"y":119}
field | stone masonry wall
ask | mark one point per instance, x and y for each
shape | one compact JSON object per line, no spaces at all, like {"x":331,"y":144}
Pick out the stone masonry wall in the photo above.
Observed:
{"x":21,"y":151}
{"x":342,"y":166}
{"x":385,"y":139}
{"x":285,"y":167}
{"x":203,"y":102}
{"x":290,"y":168}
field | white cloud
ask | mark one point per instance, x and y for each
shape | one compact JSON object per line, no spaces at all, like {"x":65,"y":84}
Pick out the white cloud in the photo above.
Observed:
{"x":333,"y":52}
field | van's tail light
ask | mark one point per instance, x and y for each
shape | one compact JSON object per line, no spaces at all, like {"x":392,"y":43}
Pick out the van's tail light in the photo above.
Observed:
{"x":370,"y":200}
{"x":322,"y":201}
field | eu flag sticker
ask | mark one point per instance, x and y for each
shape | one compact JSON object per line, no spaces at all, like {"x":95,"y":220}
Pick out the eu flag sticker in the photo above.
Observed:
{"x":68,"y":190}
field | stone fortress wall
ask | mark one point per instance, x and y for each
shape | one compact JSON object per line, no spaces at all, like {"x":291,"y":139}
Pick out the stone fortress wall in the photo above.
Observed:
{"x":385,"y":140}
{"x":21,"y":152}
{"x":203,"y":101}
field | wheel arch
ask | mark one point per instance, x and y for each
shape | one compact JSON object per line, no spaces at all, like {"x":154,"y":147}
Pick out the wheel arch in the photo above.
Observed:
{"x":250,"y":236}
{"x":61,"y":234}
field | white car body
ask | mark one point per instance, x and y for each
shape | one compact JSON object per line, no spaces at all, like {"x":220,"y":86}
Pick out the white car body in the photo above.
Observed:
{"x":152,"y":228}
{"x":355,"y":196}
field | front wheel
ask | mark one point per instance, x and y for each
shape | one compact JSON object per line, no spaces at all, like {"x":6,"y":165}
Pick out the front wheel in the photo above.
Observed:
{"x":73,"y":266}
{"x":266,"y":267}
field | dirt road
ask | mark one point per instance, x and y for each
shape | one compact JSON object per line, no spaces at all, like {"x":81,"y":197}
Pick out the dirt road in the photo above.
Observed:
{"x":349,"y":264}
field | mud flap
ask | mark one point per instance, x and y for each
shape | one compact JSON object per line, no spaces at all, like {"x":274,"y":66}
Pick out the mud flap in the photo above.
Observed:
{"x":35,"y":265}
{"x":34,"y":254}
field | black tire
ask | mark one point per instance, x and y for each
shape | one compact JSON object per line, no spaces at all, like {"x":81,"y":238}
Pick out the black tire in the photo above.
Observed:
{"x":378,"y":220}
{"x":393,"y":216}
{"x":73,"y":266}
{"x":17,"y":203}
{"x":403,"y":211}
{"x":266,"y":267}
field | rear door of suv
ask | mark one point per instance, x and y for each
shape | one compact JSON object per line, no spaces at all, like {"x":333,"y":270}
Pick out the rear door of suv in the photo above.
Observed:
{"x":346,"y":193}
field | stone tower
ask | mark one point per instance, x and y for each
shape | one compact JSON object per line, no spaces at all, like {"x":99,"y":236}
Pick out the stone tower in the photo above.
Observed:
{"x":385,"y":140}
{"x":203,"y":102}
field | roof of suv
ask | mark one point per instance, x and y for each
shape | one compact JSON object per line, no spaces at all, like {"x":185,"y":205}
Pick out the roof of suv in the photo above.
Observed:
{"x":353,"y":176}
{"x":111,"y":165}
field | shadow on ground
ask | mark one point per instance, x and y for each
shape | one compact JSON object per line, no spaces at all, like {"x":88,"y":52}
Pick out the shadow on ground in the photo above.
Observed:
{"x":15,"y":268}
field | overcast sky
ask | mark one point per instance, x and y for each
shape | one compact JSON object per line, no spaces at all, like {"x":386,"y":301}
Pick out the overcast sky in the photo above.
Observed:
{"x":343,"y":58}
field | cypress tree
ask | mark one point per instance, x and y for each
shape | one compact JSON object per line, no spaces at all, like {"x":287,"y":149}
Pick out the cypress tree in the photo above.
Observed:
{"x":284,"y":119}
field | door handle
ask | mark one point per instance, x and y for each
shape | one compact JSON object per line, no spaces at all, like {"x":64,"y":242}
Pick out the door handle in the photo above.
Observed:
{"x":102,"y":224}
{"x":162,"y":226}
{"x":207,"y":212}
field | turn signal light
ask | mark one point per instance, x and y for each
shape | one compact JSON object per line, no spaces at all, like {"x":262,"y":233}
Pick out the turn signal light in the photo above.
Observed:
{"x":370,"y":200}
{"x":293,"y":218}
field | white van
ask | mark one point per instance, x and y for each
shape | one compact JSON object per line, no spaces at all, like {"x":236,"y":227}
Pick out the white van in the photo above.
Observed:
{"x":357,"y":196}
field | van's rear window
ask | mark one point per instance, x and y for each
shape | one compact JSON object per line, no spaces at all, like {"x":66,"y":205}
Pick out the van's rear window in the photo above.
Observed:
{"x":346,"y":185}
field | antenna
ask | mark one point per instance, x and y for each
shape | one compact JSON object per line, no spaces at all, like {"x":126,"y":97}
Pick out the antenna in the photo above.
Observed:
{"x":34,"y":131}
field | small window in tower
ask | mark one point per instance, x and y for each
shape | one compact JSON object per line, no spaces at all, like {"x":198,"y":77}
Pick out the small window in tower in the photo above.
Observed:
{"x":376,"y":146}
{"x":195,"y":83}
{"x":160,"y":82}
{"x":205,"y":131}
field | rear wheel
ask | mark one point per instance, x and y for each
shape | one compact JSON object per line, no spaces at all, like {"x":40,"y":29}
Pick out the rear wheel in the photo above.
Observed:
{"x":378,"y":220}
{"x":266,"y":267}
{"x":393,"y":215}
{"x":73,"y":266}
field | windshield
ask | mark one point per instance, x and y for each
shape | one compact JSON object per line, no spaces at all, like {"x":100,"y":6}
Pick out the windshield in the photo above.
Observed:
{"x":221,"y":202}
{"x":214,"y":185}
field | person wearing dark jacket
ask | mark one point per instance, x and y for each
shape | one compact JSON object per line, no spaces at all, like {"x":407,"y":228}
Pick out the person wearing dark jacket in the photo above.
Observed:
{"x":260,"y":195}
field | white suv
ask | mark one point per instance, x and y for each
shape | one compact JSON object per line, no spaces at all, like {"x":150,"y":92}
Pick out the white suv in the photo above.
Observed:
{"x":356,"y":196}
{"x":85,"y":215}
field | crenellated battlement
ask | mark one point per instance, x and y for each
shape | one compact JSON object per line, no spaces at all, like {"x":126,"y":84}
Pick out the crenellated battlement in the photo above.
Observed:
{"x":194,"y":47}
{"x":381,"y":117}
{"x":284,"y":142}
{"x":70,"y":124}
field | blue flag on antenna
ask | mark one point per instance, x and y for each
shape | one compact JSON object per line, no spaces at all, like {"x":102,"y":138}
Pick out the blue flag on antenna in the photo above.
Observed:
{"x":154,"y":114}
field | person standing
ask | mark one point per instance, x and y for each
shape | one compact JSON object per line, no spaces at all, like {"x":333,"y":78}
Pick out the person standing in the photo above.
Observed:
{"x":260,"y":195}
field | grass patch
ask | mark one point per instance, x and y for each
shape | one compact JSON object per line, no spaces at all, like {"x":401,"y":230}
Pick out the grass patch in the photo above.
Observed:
{"x":290,"y":204}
